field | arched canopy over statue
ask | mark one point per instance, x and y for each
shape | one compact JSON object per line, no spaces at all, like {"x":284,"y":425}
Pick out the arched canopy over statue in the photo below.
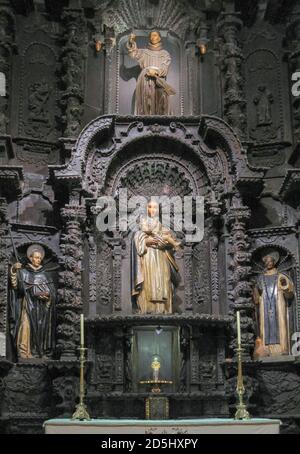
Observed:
{"x":272,"y":294}
{"x":154,"y":272}
{"x":152,"y":90}
{"x":32,"y":306}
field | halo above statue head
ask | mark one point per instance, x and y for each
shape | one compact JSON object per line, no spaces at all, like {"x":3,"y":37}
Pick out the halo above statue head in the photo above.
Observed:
{"x":35,"y":248}
{"x":274,"y":254}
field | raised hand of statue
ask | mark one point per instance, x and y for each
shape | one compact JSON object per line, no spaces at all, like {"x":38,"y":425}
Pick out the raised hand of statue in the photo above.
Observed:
{"x":131,"y":40}
{"x":16,"y":266}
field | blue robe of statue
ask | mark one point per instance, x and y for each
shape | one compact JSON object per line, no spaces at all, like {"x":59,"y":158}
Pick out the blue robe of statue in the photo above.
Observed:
{"x":273,"y":298}
{"x":269,"y":287}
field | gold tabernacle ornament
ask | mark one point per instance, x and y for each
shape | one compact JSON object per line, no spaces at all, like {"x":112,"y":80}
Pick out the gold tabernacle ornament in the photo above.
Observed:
{"x":241,"y":409}
{"x":81,"y":412}
{"x":155,"y":381}
{"x":156,"y":407}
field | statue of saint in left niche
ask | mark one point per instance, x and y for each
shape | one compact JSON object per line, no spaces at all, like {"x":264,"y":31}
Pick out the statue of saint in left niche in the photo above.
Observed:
{"x":32,"y":307}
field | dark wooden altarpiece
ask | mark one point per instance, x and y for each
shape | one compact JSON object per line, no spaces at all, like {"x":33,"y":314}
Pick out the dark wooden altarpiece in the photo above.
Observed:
{"x":68,"y":135}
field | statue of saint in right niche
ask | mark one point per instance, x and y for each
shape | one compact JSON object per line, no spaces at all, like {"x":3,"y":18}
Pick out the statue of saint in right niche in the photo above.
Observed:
{"x":272,"y":294}
{"x":154,"y":272}
{"x":152,"y":90}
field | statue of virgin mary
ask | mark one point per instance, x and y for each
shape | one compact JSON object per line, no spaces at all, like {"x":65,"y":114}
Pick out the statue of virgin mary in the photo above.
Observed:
{"x":154,"y":272}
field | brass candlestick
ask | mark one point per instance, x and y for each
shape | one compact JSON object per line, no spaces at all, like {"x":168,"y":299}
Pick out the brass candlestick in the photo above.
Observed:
{"x":81,"y":409}
{"x":241,"y":409}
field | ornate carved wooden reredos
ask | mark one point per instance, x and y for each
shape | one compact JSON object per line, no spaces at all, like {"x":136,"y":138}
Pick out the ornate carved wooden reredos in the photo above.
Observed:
{"x":146,"y":166}
{"x":174,"y":156}
{"x":70,"y":134}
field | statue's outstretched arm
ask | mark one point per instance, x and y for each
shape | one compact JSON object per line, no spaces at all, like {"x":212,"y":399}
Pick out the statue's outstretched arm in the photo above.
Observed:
{"x":133,"y":50}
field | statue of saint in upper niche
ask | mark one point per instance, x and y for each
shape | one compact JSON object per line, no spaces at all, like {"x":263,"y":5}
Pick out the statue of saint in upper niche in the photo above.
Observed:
{"x":152,"y":91}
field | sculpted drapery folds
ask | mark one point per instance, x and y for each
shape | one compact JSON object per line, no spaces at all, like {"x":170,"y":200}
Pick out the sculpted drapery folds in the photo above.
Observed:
{"x":272,"y":294}
{"x":152,"y":91}
{"x":154,"y":272}
{"x":32,"y":307}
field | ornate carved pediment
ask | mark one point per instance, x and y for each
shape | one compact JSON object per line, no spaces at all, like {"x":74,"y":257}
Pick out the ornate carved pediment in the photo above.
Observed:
{"x":93,"y":130}
{"x":112,"y":141}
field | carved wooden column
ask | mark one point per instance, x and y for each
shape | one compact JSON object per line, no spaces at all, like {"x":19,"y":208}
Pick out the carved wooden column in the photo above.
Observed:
{"x":92,"y":273}
{"x":7,"y":36}
{"x":214,"y":224}
{"x":293,"y":34}
{"x":73,"y":58}
{"x":240,"y":294}
{"x":184,"y":375}
{"x":188,"y":276}
{"x":194,"y":360}
{"x":111,"y":96}
{"x":3,"y":274}
{"x":69,"y":305}
{"x":192,"y":103}
{"x":116,"y":244}
{"x":231,"y":58}
{"x":119,"y":360}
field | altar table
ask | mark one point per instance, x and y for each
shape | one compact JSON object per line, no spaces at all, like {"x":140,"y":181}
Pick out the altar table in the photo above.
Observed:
{"x":169,"y":426}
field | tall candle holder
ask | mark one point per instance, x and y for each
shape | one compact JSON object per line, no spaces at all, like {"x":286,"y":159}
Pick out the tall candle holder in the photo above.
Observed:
{"x":81,"y":412}
{"x":241,"y":409}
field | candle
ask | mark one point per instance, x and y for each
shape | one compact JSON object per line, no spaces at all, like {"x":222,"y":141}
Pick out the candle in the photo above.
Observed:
{"x":81,"y":330}
{"x":238,"y":327}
